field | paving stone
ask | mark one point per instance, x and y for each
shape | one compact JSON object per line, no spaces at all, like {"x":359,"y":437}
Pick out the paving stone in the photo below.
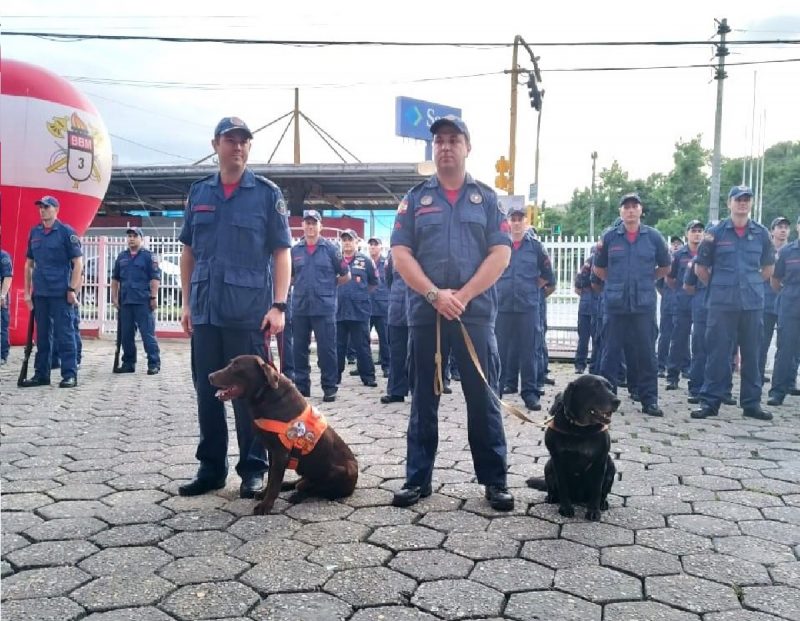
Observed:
{"x":337,"y":531}
{"x":67,"y":528}
{"x":338,"y":556}
{"x":210,"y":600}
{"x":437,"y":502}
{"x":202,"y":543}
{"x":120,"y":591}
{"x":285,"y":576}
{"x":770,"y":486}
{"x":778,"y":600}
{"x":134,"y":535}
{"x":134,"y":514}
{"x":645,"y":611}
{"x":47,"y":582}
{"x":640,"y":561}
{"x":598,"y":584}
{"x":131,"y":614}
{"x":129,"y":561}
{"x":481,"y":546}
{"x":302,"y":607}
{"x":319,"y":511}
{"x":750,"y":499}
{"x":740,"y":615}
{"x":78,"y":491}
{"x":712,"y":482}
{"x":512,"y":575}
{"x":383,"y":516}
{"x":672,"y":541}
{"x":549,"y":512}
{"x":779,"y":532}
{"x":689,"y":494}
{"x":5,"y":569}
{"x":391,"y":613}
{"x":16,"y":521}
{"x":690,"y":593}
{"x":410,"y":537}
{"x":431,"y":564}
{"x":272,"y":549}
{"x":258,"y":526}
{"x":659,"y":504}
{"x":200,"y":520}
{"x":597,"y":534}
{"x":368,"y":498}
{"x":23,"y":502}
{"x":559,"y":553}
{"x":197,"y":569}
{"x":754,"y":549}
{"x":550,"y":606}
{"x":458,"y":599}
{"x":791,"y":515}
{"x":13,"y":542}
{"x":138,"y":497}
{"x":727,"y":510}
{"x":371,"y":586}
{"x":42,"y":609}
{"x":51,"y":553}
{"x":703,"y":525}
{"x":725,"y":569}
{"x":786,"y":573}
{"x":633,"y":518}
{"x":454,"y":521}
{"x":523,"y":528}
{"x":25,"y":486}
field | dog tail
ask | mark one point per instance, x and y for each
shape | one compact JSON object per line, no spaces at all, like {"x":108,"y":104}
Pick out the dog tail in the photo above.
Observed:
{"x":537,"y":483}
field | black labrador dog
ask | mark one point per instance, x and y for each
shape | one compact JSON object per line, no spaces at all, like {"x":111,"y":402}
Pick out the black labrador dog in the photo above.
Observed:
{"x":580,"y":468}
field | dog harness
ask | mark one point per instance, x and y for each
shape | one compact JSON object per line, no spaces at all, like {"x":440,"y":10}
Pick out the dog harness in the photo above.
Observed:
{"x":299,"y":436}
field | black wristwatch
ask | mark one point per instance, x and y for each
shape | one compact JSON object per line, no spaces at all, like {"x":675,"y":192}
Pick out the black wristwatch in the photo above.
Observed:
{"x":281,"y":306}
{"x":153,"y":297}
{"x":71,"y":289}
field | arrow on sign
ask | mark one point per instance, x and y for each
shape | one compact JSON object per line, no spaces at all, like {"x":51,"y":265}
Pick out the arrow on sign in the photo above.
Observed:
{"x":413,"y":115}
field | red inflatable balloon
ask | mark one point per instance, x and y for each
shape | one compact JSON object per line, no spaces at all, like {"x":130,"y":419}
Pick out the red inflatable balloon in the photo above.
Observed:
{"x":52,"y":141}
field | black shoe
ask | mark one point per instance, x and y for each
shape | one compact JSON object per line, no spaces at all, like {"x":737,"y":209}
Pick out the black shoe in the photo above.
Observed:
{"x":509,"y":390}
{"x":251,"y":485}
{"x":579,"y":370}
{"x":622,"y":383}
{"x":68,"y":382}
{"x":447,"y":390}
{"x":703,"y":412}
{"x":354,"y":372}
{"x":385,"y":373}
{"x":757,"y":412}
{"x":532,"y":403}
{"x":392,"y":399}
{"x":351,"y":361}
{"x":775,"y":401}
{"x":198,"y":486}
{"x":672,"y":385}
{"x":652,"y":409}
{"x":305,"y":393}
{"x":3,"y":361}
{"x":371,"y":383}
{"x":662,"y":374}
{"x":125,"y":368}
{"x":765,"y":379}
{"x":550,"y":382}
{"x":500,"y":499}
{"x":153,"y":370}
{"x":685,"y":375}
{"x":456,"y":377}
{"x":728,"y":401}
{"x":795,"y":392}
{"x":34,"y":381}
{"x":694,"y":400}
{"x":329,"y":394}
{"x":410,"y":495}
{"x":634,"y":396}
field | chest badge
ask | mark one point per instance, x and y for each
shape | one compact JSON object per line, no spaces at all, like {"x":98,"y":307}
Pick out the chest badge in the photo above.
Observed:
{"x":475,"y":198}
{"x":426,"y":200}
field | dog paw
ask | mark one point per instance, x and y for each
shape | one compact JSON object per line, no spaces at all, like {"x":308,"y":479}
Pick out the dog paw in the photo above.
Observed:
{"x":295,"y":498}
{"x":567,"y":510}
{"x":263,"y":508}
{"x":593,"y":515}
{"x":260,"y":494}
{"x":604,"y":505}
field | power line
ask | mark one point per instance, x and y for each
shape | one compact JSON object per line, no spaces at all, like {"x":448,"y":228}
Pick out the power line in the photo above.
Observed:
{"x":144,"y":146}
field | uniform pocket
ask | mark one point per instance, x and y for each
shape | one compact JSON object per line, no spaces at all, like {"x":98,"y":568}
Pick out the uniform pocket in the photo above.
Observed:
{"x":244,"y":295}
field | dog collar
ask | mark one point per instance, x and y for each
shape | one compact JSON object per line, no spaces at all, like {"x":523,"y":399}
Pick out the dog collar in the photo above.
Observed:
{"x":551,"y":424}
{"x":299,"y":436}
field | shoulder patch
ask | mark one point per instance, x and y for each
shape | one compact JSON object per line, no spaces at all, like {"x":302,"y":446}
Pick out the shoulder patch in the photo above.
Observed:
{"x":74,"y":239}
{"x":403,"y":206}
{"x":280,"y":207}
{"x":5,"y":260}
{"x":502,"y":207}
{"x":709,"y":237}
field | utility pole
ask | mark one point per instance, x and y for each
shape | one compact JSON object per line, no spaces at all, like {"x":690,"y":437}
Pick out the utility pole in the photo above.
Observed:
{"x":512,"y":139}
{"x":592,"y":203}
{"x":719,"y":76}
{"x":297,"y":126}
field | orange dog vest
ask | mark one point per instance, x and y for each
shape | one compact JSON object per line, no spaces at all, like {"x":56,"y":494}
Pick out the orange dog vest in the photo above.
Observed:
{"x":300,"y":435}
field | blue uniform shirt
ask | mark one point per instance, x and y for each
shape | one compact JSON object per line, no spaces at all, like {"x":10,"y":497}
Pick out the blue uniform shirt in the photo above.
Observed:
{"x":736,"y":262}
{"x":787,"y":268}
{"x":681,"y":260}
{"x":134,"y":273}
{"x":6,"y":267}
{"x":398,"y":292}
{"x":587,"y":304}
{"x":630,"y":284}
{"x":380,"y":295}
{"x":52,"y":253}
{"x":770,"y":296}
{"x":450,"y":242}
{"x":518,"y":287}
{"x":232,"y":240}
{"x":314,"y":278}
{"x":354,"y":303}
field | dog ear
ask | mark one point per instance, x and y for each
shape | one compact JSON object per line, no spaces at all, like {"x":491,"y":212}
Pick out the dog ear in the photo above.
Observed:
{"x":567,"y":398}
{"x":271,"y":373}
{"x":558,"y":405}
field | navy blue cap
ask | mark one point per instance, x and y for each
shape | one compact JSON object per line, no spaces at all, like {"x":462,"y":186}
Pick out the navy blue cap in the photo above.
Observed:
{"x":452,"y":121}
{"x":739,"y":190}
{"x":350,"y":232}
{"x":312,"y":213}
{"x":518,"y":209}
{"x":780,"y":220}
{"x":230,"y":123}
{"x":374,"y":240}
{"x":695,"y":224}
{"x":676,"y":238}
{"x":630,"y":196}
{"x":135,"y":230}
{"x":48,"y":201}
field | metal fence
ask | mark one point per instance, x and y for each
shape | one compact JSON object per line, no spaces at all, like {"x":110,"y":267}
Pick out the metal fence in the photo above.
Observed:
{"x":97,"y":313}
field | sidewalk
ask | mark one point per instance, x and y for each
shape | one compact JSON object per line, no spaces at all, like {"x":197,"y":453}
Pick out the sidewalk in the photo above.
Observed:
{"x":704,"y":524}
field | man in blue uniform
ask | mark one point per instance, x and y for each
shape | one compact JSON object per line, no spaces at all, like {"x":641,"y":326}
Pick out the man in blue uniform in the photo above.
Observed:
{"x":518,"y":295}
{"x":779,"y":230}
{"x":52,"y":279}
{"x":134,"y":293}
{"x":733,"y":260}
{"x":397,"y":386}
{"x":450,"y":243}
{"x":586,"y":309}
{"x":786,"y":280}
{"x":666,"y":315}
{"x":234,"y":223}
{"x":353,"y":310}
{"x":632,"y":256}
{"x":380,"y":303}
{"x":679,"y":357}
{"x":317,"y":269}
{"x":6,"y":272}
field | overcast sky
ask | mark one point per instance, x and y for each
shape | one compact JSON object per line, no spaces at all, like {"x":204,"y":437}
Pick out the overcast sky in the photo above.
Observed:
{"x":169,"y":96}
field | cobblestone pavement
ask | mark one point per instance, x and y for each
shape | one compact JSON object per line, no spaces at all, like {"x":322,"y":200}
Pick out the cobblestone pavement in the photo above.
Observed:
{"x":704,"y":524}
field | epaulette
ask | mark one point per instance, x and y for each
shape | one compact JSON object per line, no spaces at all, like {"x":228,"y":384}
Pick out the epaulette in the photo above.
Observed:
{"x":266,"y":181}
{"x":203,"y":179}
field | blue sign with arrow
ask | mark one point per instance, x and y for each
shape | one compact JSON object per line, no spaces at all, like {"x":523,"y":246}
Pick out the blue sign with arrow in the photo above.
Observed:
{"x":414,"y":117}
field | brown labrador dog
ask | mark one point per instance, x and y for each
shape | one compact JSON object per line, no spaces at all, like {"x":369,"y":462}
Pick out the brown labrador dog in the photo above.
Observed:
{"x":329,"y":470}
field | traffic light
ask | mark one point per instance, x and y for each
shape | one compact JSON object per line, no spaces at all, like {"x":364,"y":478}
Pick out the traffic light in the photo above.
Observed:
{"x":534,"y":93}
{"x":501,"y":180}
{"x":557,"y":229}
